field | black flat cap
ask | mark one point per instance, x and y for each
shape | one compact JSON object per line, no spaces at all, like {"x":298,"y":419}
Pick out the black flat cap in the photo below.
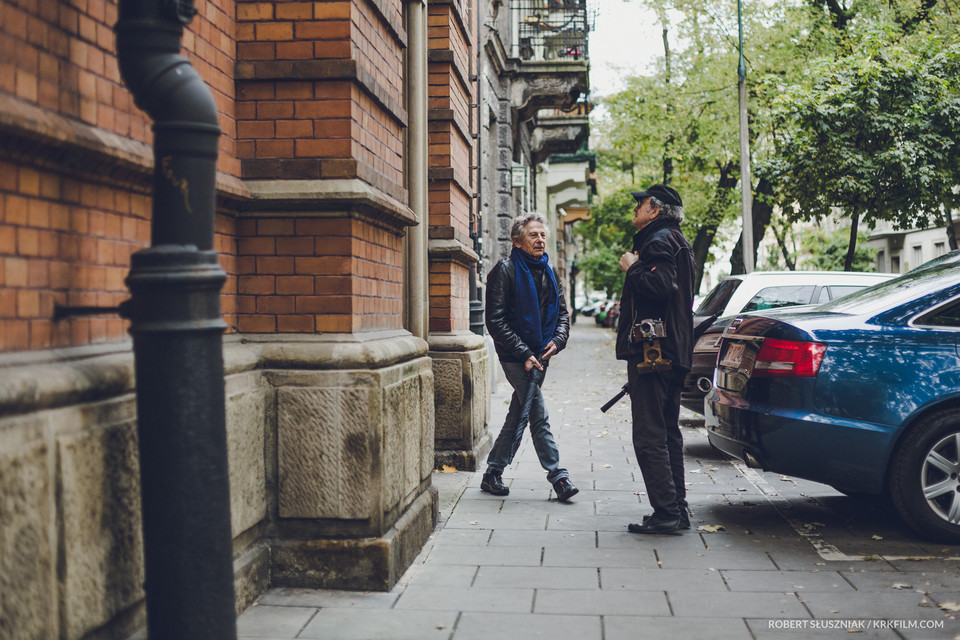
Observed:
{"x":663,"y":193}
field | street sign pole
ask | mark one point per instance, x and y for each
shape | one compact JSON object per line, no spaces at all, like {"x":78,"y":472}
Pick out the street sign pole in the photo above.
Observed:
{"x":746,"y":198}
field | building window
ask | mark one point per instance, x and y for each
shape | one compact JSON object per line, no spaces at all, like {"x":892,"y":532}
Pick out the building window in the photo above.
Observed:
{"x":917,"y":256}
{"x":939,"y":248}
{"x":881,"y":261}
{"x":894,"y":264}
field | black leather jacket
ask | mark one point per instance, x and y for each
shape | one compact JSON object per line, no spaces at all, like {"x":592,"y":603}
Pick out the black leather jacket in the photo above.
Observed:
{"x":500,"y":314}
{"x":659,"y":286}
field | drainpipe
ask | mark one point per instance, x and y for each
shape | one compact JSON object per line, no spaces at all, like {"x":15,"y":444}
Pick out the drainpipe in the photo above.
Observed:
{"x":175,"y":322}
{"x":417,"y":238}
{"x":476,"y":297}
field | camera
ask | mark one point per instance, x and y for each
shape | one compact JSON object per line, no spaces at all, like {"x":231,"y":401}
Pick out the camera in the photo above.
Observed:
{"x":650,"y":331}
{"x":647,"y":330}
{"x":653,"y":360}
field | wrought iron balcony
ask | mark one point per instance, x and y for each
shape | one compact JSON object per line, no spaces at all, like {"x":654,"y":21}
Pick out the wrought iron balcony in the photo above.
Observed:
{"x":550,"y":30}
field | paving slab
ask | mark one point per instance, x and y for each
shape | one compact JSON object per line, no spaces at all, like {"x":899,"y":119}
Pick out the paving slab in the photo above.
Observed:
{"x":527,"y":538}
{"x":701,"y":580}
{"x":500,"y":599}
{"x":534,"y":577}
{"x":570,"y":556}
{"x":377,"y":624}
{"x":689,"y":603}
{"x":622,"y":627}
{"x":497,"y":626}
{"x":800,"y":582}
{"x":597,"y":602}
{"x":328,"y":598}
{"x":269,"y":621}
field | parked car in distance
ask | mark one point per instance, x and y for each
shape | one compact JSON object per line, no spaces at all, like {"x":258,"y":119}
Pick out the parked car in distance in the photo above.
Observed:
{"x":590,"y":308}
{"x":862,"y":393}
{"x":757,"y":291}
{"x":600,"y":317}
{"x":613,"y":315}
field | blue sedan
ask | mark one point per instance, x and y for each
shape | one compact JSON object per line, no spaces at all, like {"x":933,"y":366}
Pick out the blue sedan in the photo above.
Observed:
{"x":862,"y":393}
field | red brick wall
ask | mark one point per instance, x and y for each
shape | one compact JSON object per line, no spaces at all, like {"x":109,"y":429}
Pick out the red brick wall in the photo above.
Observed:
{"x":316,"y":121}
{"x":449,"y":297}
{"x":451,"y":149}
{"x":301,"y":275}
{"x":320,"y":95}
{"x":67,"y":240}
{"x":67,"y":236}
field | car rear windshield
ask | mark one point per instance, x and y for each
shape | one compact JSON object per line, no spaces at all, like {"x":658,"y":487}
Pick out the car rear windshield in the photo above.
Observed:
{"x":891,"y":293}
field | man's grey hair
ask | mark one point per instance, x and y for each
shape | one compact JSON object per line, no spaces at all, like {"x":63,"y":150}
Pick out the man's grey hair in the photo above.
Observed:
{"x":520,"y":223}
{"x":668,"y":210}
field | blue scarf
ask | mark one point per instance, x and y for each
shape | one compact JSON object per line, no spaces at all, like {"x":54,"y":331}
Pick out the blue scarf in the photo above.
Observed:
{"x":534,"y":328}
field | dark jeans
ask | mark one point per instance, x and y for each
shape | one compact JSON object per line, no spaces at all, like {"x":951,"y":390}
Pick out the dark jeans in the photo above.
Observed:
{"x":505,"y":448}
{"x":657,"y":442}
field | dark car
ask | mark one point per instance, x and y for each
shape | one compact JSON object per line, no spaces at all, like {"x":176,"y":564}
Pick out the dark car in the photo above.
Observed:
{"x":757,"y":291}
{"x":862,"y":394}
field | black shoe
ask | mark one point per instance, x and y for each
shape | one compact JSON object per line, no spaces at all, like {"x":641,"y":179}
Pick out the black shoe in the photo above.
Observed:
{"x":494,"y":484}
{"x":684,"y":519}
{"x":656,"y":524}
{"x":565,"y":489}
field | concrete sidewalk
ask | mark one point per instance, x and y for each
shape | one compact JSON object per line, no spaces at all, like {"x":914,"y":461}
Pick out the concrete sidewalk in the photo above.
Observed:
{"x":767,"y":556}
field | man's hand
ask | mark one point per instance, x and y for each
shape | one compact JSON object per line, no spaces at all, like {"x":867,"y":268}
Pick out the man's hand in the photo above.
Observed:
{"x":549,"y":351}
{"x":531,"y":363}
{"x":628,"y":259}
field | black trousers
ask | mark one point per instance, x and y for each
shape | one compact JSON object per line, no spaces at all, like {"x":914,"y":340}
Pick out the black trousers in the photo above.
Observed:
{"x":657,"y":442}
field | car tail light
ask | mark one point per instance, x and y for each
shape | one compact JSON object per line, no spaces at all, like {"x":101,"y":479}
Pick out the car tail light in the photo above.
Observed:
{"x":709,"y":343}
{"x":788,"y":359}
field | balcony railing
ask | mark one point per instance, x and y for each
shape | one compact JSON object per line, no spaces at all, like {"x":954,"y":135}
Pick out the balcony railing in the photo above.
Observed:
{"x":550,"y":29}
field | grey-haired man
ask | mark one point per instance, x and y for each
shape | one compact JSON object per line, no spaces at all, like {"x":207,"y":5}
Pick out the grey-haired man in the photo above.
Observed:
{"x":658,"y":288}
{"x":527,"y":317}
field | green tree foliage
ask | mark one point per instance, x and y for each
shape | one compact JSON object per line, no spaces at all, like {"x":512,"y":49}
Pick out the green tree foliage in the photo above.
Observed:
{"x":819,"y":250}
{"x":856,"y":97}
{"x":875,"y":138}
{"x":828,"y":252}
{"x":604,"y":238}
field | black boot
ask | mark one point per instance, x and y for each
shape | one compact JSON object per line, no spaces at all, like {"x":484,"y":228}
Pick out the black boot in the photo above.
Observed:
{"x":492,"y":483}
{"x":657,"y":523}
{"x":565,"y":489}
{"x":684,"y":518}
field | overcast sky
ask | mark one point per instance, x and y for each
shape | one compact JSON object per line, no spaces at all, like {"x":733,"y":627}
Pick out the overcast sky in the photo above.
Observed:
{"x":625,"y":40}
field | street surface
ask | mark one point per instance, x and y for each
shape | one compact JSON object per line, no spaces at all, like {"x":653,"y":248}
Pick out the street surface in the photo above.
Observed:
{"x":767,"y":556}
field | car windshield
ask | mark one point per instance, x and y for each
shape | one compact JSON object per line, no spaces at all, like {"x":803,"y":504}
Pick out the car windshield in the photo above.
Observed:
{"x":893,"y":292}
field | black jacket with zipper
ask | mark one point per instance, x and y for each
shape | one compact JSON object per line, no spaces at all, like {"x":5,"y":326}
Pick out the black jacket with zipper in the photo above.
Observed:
{"x":659,"y":286}
{"x":500,"y":311}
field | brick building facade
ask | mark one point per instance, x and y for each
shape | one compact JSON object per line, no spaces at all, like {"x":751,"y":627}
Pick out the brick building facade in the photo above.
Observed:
{"x":344,"y":203}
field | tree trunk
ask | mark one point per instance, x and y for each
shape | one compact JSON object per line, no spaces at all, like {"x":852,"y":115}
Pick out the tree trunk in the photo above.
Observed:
{"x":852,"y":247}
{"x":708,"y":230}
{"x":951,"y":232}
{"x":781,"y":240}
{"x":762,"y":213}
{"x":668,"y":144}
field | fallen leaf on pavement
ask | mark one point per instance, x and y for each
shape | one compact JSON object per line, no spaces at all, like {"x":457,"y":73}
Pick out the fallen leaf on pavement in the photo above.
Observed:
{"x":950,"y":606}
{"x":446,"y":469}
{"x":876,"y":537}
{"x":711,"y":528}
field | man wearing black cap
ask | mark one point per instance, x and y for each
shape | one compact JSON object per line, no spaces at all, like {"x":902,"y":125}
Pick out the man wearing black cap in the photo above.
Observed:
{"x":655,"y":337}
